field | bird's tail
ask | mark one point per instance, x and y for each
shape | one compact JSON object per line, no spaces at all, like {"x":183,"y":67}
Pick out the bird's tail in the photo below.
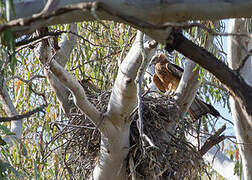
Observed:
{"x":199,"y":108}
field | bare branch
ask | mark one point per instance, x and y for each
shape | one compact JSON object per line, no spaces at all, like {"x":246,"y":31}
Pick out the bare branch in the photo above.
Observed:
{"x":25,"y":115}
{"x":10,"y":110}
{"x":123,"y":98}
{"x":139,"y":79}
{"x":79,"y":94}
{"x":24,"y":80}
{"x":213,"y":140}
{"x":188,"y":86}
{"x":37,"y":39}
{"x":139,"y":85}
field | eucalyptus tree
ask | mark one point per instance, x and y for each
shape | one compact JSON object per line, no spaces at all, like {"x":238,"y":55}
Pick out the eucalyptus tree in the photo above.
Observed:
{"x":162,"y":21}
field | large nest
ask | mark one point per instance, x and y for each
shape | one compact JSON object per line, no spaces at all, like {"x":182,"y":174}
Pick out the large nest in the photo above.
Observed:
{"x":164,"y":154}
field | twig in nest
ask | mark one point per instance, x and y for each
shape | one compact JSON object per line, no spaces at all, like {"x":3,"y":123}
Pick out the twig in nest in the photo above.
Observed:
{"x":139,"y":93}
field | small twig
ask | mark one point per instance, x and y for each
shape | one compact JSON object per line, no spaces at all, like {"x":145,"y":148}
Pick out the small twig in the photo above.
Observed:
{"x":72,"y":125}
{"x":24,"y":80}
{"x":38,"y":38}
{"x":29,"y":83}
{"x":227,"y":120}
{"x":243,"y":61}
{"x":69,"y":170}
{"x":25,"y":115}
{"x":198,"y":133}
{"x":139,"y":86}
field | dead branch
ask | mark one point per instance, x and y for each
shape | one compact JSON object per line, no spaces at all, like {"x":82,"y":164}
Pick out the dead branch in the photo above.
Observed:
{"x":25,"y":115}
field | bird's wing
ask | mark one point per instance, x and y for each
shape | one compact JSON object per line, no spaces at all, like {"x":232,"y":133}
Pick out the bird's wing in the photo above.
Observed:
{"x":158,"y":83}
{"x":175,"y":70}
{"x":199,"y":108}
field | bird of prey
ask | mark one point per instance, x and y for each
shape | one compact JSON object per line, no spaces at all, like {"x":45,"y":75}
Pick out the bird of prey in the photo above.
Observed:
{"x":166,"y":78}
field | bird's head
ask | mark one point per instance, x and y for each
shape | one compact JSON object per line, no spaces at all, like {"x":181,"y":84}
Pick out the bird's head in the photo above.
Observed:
{"x":159,"y":58}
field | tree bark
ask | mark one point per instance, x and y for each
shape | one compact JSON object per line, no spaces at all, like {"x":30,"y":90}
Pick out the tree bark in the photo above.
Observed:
{"x":188,"y":86}
{"x":141,"y":14}
{"x":114,"y":125}
{"x":152,"y":11}
{"x":242,"y":123}
{"x":10,"y":110}
{"x":236,"y":85}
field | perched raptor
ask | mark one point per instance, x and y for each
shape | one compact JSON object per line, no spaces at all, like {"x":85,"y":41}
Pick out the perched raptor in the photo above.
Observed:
{"x":166,"y":78}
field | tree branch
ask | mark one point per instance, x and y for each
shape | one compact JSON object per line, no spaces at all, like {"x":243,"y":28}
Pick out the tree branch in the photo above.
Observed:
{"x":213,"y":140}
{"x":10,"y":110}
{"x":25,"y":115}
{"x":155,"y":15}
{"x":123,"y":97}
{"x":238,"y":88}
{"x":80,"y":98}
{"x":188,"y":86}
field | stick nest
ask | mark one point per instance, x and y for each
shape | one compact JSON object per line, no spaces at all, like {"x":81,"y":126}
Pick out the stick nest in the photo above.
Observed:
{"x":164,"y":154}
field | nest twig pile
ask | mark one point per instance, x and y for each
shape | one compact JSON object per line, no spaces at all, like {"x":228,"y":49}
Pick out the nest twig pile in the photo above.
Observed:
{"x":168,"y":156}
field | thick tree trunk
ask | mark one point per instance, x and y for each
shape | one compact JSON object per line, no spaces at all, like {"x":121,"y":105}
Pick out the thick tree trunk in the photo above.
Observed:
{"x":243,"y":123}
{"x":114,"y":125}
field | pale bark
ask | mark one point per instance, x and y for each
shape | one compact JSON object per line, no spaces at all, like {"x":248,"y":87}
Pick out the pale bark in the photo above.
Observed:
{"x":121,"y":104}
{"x":243,"y":124}
{"x":188,"y":86}
{"x":66,"y":46}
{"x":152,"y":11}
{"x":144,"y":15}
{"x":114,"y":125}
{"x":10,"y":110}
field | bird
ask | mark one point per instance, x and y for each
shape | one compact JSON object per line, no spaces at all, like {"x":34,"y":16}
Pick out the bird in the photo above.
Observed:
{"x":166,"y":78}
